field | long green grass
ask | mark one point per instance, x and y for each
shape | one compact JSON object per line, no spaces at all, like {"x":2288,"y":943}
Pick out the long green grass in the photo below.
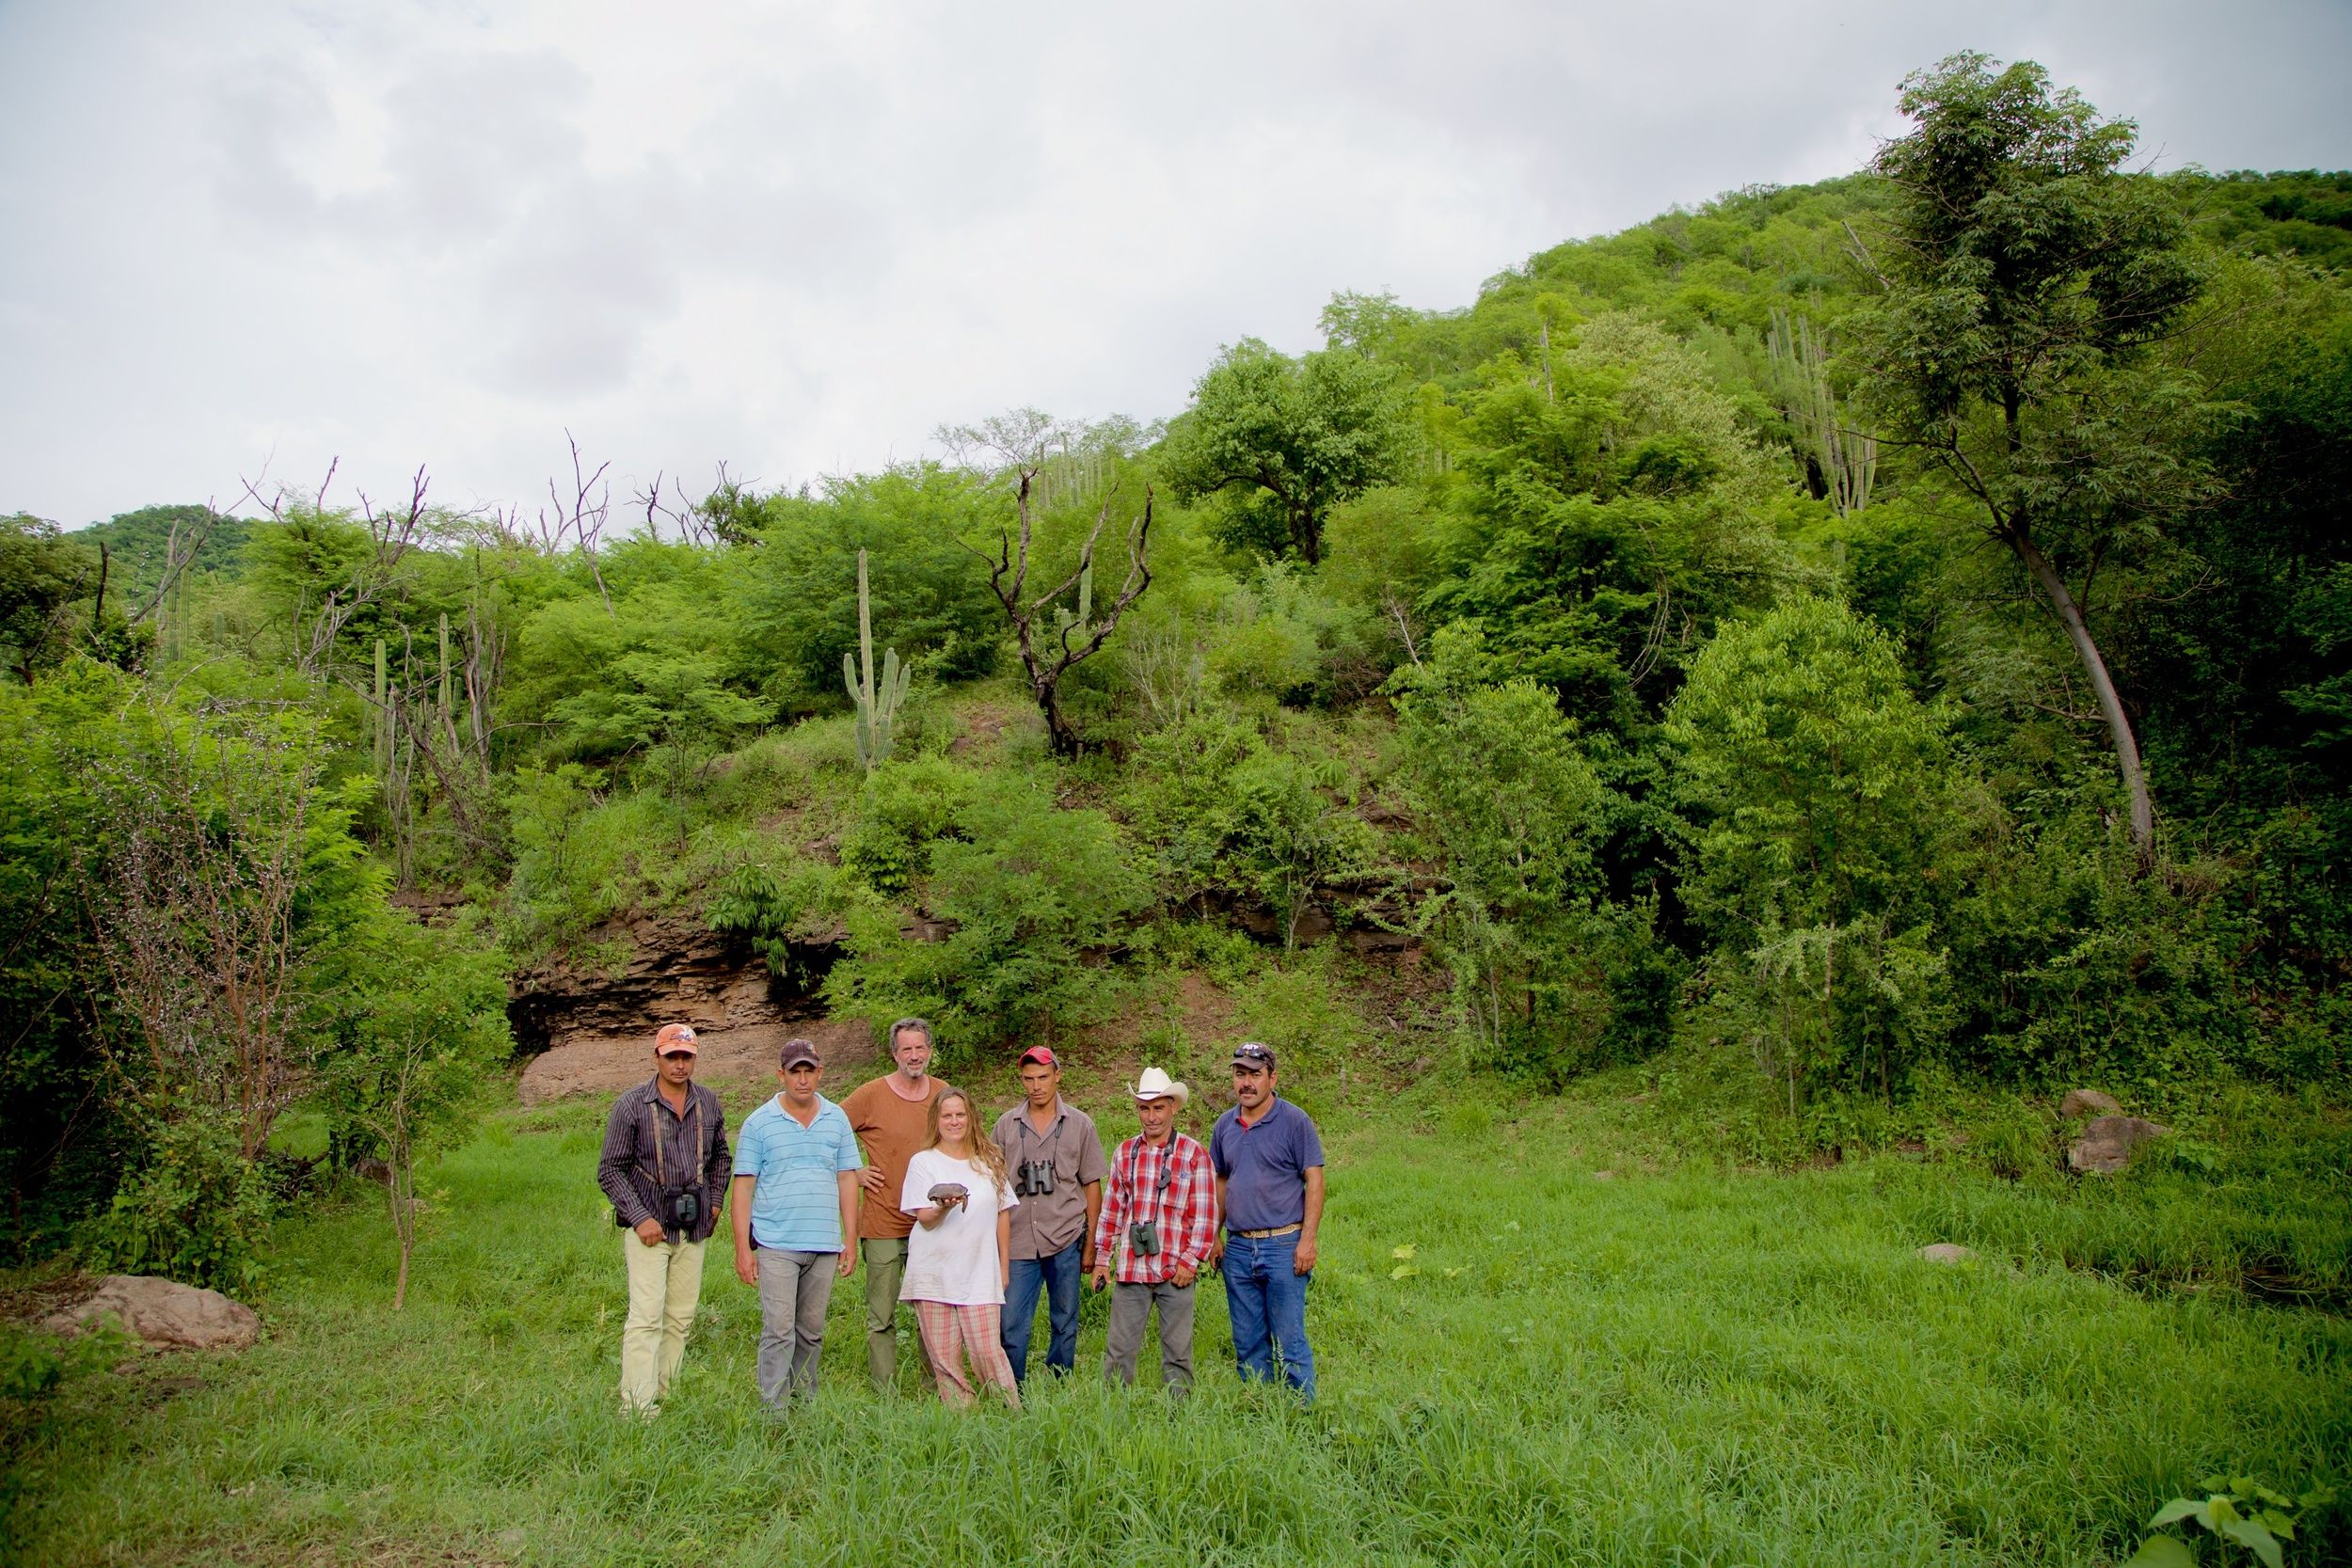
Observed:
{"x":1675,"y":1364}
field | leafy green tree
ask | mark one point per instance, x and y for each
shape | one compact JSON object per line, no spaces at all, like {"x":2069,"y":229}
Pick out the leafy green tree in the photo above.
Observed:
{"x":62,"y":1032}
{"x":654,"y":681}
{"x":43,"y":575}
{"x":797,"y":595}
{"x":426,"y":1030}
{"x":1499,"y":782}
{"x":2025,"y":276}
{"x":1288,"y":439}
{"x":1817,"y":782}
{"x":223,"y":872}
{"x":1607,"y":519}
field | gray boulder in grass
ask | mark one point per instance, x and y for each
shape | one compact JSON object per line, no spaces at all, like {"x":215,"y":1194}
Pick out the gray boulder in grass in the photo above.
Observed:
{"x":2107,"y":1144}
{"x":2089,"y":1102}
{"x":165,"y":1314}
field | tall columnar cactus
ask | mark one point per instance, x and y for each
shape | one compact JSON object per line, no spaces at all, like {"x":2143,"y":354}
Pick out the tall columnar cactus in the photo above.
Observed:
{"x":1078,"y":626}
{"x":379,"y":743}
{"x":877,"y":706}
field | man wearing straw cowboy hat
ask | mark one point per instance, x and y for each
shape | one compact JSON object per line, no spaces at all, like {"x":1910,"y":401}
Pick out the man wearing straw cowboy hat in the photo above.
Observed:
{"x":1158,"y":1223}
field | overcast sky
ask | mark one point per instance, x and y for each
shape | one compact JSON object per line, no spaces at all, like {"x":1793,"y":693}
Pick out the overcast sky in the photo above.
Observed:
{"x":800,"y":237}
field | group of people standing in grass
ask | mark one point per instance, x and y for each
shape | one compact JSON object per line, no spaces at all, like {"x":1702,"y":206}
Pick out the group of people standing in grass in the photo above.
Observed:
{"x":967,"y":1227}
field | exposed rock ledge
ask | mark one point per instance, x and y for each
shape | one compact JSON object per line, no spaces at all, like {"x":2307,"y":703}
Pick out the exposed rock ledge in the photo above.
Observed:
{"x":592,"y":1029}
{"x":601,"y":1064}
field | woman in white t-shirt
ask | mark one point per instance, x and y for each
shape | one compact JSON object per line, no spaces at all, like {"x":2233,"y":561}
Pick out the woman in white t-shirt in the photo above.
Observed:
{"x":960,"y":1256}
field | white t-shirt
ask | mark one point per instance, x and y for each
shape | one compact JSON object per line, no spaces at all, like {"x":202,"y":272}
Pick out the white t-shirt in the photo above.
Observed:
{"x":955,"y":1260}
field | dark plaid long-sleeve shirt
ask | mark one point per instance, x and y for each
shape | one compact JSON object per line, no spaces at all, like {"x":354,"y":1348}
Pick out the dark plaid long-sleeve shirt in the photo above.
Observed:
{"x":648,"y":1144}
{"x":1171,"y":1184}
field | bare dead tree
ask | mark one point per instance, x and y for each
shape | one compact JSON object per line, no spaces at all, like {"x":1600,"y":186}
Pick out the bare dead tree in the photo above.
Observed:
{"x":180,"y":551}
{"x":1048,"y":655}
{"x":687,"y":516}
{"x":582,"y":519}
{"x":1395,"y":607}
{"x":392,"y":534}
{"x":1167,"y":668}
{"x":193,"y":905}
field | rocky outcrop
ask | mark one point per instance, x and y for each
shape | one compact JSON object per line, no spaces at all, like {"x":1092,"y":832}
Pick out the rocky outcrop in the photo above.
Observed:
{"x":605,"y":1065}
{"x":589,"y":1025}
{"x":670,"y":969}
{"x":164,"y":1314}
{"x":2107,"y":1144}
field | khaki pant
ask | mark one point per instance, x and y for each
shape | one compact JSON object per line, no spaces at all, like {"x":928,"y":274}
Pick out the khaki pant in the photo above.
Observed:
{"x":665,"y":1280}
{"x":885,"y":1268}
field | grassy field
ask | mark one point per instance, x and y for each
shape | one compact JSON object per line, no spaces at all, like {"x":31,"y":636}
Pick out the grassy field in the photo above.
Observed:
{"x":1678,"y":1362}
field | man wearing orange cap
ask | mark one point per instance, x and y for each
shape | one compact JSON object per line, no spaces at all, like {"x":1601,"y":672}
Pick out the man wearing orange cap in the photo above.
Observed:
{"x":666,"y":1167}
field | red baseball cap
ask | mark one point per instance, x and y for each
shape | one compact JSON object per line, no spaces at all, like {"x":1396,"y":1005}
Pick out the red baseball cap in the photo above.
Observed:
{"x":1038,"y":1053}
{"x":675,"y":1037}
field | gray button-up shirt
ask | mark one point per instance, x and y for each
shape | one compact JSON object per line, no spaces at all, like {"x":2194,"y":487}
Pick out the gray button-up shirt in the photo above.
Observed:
{"x":1047,"y":1222}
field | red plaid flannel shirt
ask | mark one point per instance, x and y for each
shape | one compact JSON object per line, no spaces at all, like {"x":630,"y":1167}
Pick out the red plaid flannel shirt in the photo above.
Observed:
{"x":1185,"y":1208}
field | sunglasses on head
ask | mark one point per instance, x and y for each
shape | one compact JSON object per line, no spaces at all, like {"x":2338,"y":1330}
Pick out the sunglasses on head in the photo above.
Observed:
{"x":1252,"y":1053}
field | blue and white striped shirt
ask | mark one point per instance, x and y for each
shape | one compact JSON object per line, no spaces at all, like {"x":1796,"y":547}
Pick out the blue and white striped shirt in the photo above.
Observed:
{"x":796,"y":1198}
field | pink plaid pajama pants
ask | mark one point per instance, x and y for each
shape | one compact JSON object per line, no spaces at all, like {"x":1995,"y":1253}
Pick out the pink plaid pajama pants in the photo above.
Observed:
{"x":951,"y":1333}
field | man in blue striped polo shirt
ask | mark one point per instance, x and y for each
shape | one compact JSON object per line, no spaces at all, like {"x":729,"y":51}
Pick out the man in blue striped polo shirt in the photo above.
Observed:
{"x":795,"y":1191}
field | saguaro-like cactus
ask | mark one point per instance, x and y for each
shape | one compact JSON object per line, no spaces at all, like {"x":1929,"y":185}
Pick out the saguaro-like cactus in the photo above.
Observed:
{"x":876,"y":706}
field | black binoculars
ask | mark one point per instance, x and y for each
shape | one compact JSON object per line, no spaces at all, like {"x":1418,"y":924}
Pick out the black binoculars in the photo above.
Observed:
{"x":1143,"y":1238}
{"x":1035,"y":1179}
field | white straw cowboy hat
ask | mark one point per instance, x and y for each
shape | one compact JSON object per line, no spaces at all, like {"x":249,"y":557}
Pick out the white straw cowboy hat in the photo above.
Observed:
{"x":1155,"y":1085}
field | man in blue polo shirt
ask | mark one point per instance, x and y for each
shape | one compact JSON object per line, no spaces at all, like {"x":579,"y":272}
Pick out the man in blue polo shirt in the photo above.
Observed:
{"x":1269,"y":1189}
{"x":795,"y":1192}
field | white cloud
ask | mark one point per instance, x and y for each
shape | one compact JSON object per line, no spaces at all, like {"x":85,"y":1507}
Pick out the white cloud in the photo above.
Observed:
{"x":798,"y":238}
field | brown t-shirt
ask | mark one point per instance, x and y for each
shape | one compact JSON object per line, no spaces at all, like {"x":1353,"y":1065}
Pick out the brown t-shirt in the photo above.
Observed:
{"x":889,"y":1130}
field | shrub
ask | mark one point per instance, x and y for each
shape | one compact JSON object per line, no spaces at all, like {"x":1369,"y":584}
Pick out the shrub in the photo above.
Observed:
{"x":1026,"y":896}
{"x":903,"y":812}
{"x":192,"y":1210}
{"x":1502,"y":785}
{"x":786,"y":910}
{"x":1287,"y":639}
{"x":2069,"y":964}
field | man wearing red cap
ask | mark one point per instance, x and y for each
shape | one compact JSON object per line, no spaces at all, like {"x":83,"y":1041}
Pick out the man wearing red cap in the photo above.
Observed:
{"x":665,"y":1168}
{"x":1057,"y":1163}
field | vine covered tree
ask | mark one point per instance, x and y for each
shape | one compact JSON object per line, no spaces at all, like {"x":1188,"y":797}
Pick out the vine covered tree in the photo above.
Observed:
{"x":2026,"y":277}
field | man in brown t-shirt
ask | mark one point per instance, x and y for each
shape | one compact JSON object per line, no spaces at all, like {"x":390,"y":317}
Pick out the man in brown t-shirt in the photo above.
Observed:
{"x":891,"y":1116}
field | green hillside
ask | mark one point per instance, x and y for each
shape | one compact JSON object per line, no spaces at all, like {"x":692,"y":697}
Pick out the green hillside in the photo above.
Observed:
{"x":1776,"y":696}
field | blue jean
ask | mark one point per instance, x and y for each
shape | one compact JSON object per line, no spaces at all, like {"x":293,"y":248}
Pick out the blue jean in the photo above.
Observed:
{"x":1058,"y":1278}
{"x":1267,"y":1302}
